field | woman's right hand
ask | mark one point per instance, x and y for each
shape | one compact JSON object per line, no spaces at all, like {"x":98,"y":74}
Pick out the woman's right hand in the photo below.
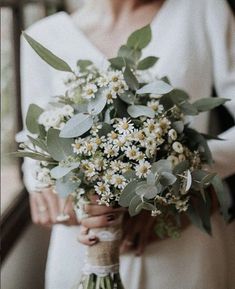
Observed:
{"x":46,"y":206}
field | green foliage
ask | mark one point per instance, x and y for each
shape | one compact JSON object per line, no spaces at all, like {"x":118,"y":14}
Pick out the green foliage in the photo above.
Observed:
{"x":60,"y":171}
{"x":128,"y":97}
{"x":209,"y":103}
{"x":31,"y":155}
{"x":129,"y":54}
{"x":59,"y":148}
{"x":118,"y":62}
{"x":130,"y":79}
{"x":47,"y":55}
{"x":147,"y":62}
{"x":156,"y":87}
{"x":134,"y":206}
{"x":140,"y":38}
{"x":84,"y":64}
{"x":77,"y":125}
{"x":66,"y":185}
{"x":32,"y":116}
{"x":127,"y":194}
{"x":97,"y":104}
{"x":140,"y":110}
{"x":37,"y":142}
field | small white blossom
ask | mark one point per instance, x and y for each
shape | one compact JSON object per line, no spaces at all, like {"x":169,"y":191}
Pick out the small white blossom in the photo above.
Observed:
{"x":156,"y":106}
{"x":78,"y":147}
{"x":177,"y":147}
{"x":124,"y":126}
{"x":132,"y":152}
{"x":118,"y":181}
{"x":89,"y":91}
{"x":172,"y":134}
{"x":110,"y":95}
{"x":173,"y":159}
{"x":102,"y":188}
{"x":67,"y":110}
{"x":111,"y":150}
{"x":143,"y":169}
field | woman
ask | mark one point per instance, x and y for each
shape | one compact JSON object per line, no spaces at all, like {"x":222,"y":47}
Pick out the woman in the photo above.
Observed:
{"x":195,"y":41}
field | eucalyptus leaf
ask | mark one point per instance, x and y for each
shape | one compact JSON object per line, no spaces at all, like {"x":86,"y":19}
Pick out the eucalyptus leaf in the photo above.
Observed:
{"x":147,"y":62}
{"x":129,"y":54}
{"x":47,"y":55}
{"x":118,"y":62}
{"x":37,"y":142}
{"x":77,"y":125}
{"x":134,"y":203}
{"x":140,"y":110}
{"x":120,"y":107}
{"x":167,"y":179}
{"x":140,"y":38}
{"x":127,"y":97}
{"x":178,"y":96}
{"x":127,"y":194}
{"x":32,"y":116}
{"x":181,"y":167}
{"x":147,"y":191}
{"x":60,"y":171}
{"x":97,"y":104}
{"x":59,"y":148}
{"x":205,"y":104}
{"x":130,"y":79}
{"x":83,"y":64}
{"x":65,"y":186}
{"x":188,"y":109}
{"x":161,"y":166}
{"x":158,"y":87}
{"x":223,"y":196}
{"x":105,"y":129}
{"x":31,"y":155}
{"x":178,"y":126}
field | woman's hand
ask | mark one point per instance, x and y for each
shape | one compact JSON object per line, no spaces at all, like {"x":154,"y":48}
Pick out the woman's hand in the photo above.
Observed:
{"x":46,"y":206}
{"x":137,"y":231}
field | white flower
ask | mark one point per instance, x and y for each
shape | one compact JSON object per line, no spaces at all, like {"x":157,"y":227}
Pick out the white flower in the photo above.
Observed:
{"x":150,"y":127}
{"x":172,"y":134}
{"x":143,"y":169}
{"x":118,"y":87}
{"x":177,"y":147}
{"x":155,"y":213}
{"x":112,"y":136}
{"x":140,"y":137}
{"x":111,"y":150}
{"x":102,"y":188}
{"x":110,"y":95}
{"x":50,"y":118}
{"x":102,"y":81}
{"x":116,"y":165}
{"x":173,"y":159}
{"x":43,"y":176}
{"x":78,"y":147}
{"x":164,"y":124}
{"x":88,"y":168}
{"x":108,"y":176}
{"x":115,"y":76}
{"x":132,"y":152}
{"x":67,"y":110}
{"x":156,"y":106}
{"x":89,"y":91}
{"x":95,"y":128}
{"x":118,"y":181}
{"x":124,"y":126}
{"x":90,"y":147}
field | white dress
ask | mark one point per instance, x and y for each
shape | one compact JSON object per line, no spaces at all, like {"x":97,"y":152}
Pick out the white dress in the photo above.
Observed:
{"x":195,"y":41}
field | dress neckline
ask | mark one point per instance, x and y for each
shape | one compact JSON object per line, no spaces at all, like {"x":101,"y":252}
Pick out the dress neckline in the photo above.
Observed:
{"x":154,"y":24}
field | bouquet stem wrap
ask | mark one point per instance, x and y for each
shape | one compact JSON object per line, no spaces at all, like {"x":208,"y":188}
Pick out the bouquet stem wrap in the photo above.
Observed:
{"x":101,"y":268}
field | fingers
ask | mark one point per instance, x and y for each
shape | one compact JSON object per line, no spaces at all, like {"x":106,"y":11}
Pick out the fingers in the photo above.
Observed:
{"x":101,"y":221}
{"x":52,"y":203}
{"x":96,"y":210}
{"x":40,"y":211}
{"x":66,"y":208}
{"x":86,"y":239}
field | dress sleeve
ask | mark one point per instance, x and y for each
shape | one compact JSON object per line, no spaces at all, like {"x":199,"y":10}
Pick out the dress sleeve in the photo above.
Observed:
{"x":221,"y":34}
{"x":35,"y":88}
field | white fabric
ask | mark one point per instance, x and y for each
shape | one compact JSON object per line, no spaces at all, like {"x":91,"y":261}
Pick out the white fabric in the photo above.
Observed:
{"x":195,"y":41}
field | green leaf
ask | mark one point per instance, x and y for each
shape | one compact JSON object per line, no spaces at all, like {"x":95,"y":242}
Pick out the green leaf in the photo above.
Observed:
{"x":129,"y":54}
{"x":97,"y":104}
{"x":209,"y":103}
{"x":106,"y":128}
{"x":223,"y":196}
{"x":120,"y":107}
{"x":147,"y":62}
{"x":178,"y":95}
{"x":117,"y":62}
{"x":157,"y":87}
{"x":77,"y":125}
{"x":31,"y":155}
{"x":127,"y":97}
{"x":32,"y":116}
{"x":188,"y":109}
{"x":84,"y":64}
{"x":140,"y":38}
{"x":59,"y":172}
{"x":147,"y":191}
{"x":37,"y":142}
{"x":59,"y":148}
{"x":161,"y":166}
{"x":47,"y":55}
{"x":178,"y":126}
{"x":181,"y":167}
{"x":65,"y":186}
{"x":167,"y":179}
{"x":127,"y":194}
{"x":130,"y":79}
{"x":140,"y":110}
{"x":135,"y":202}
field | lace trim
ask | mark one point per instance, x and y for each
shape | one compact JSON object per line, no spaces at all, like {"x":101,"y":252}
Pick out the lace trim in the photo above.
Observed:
{"x":101,"y":271}
{"x":107,"y":236}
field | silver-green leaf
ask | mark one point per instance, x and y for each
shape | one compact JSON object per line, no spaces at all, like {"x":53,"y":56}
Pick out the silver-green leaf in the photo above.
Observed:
{"x":140,"y":38}
{"x":47,"y":55}
{"x":32,"y":116}
{"x":158,"y":87}
{"x":140,"y":110}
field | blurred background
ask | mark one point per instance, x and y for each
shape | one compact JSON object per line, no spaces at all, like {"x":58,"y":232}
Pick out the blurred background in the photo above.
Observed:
{"x":24,"y":246}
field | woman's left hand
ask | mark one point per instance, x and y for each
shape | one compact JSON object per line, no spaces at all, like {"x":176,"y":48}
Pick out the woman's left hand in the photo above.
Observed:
{"x":138,"y":231}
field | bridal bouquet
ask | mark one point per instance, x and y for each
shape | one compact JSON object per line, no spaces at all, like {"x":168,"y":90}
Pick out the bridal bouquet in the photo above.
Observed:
{"x":123,"y":135}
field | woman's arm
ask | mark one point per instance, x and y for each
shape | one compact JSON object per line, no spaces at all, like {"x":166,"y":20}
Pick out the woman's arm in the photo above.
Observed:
{"x":221,"y":35}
